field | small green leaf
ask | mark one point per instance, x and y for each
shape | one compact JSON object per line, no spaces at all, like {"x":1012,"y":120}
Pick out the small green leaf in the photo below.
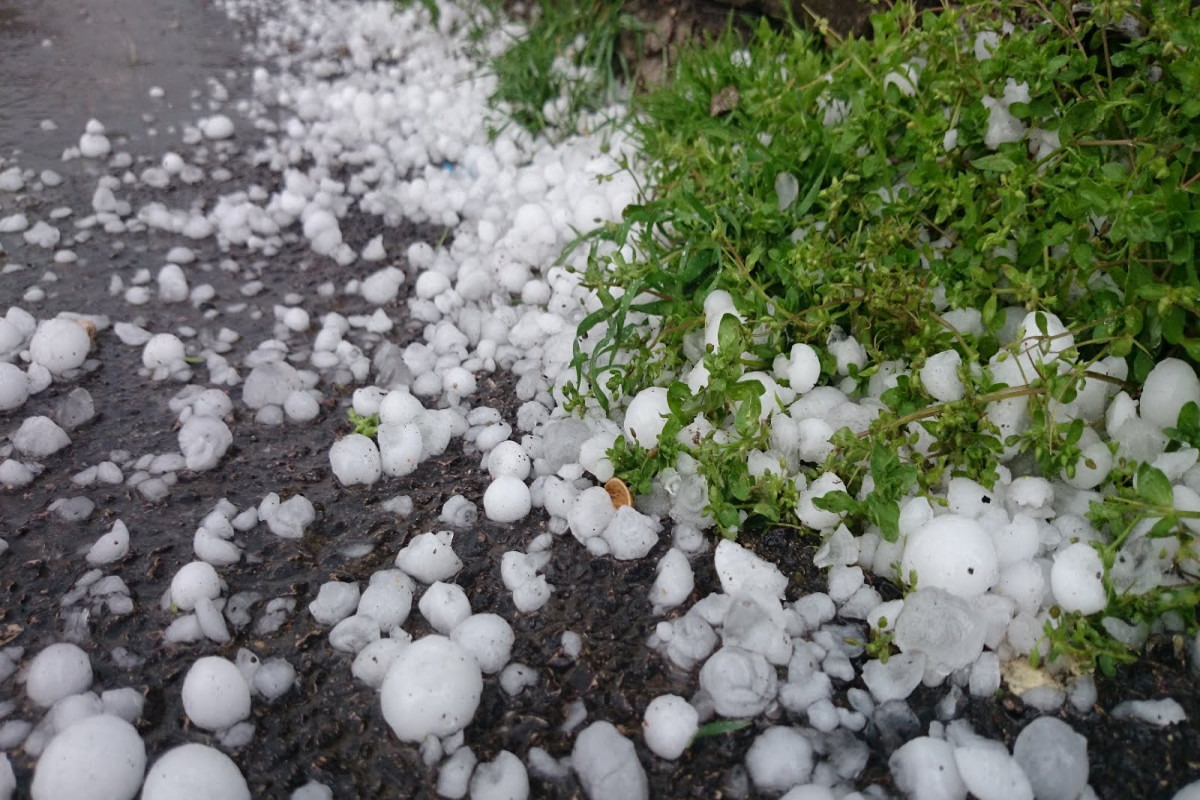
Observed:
{"x":996,"y":162}
{"x":720,"y":727}
{"x":1153,"y":486}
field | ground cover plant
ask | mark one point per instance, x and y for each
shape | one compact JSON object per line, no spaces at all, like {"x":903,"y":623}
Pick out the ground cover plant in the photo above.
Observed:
{"x":982,"y":220}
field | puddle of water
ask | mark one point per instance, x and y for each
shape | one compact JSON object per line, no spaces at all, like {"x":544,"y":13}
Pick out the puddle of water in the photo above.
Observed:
{"x":71,"y":61}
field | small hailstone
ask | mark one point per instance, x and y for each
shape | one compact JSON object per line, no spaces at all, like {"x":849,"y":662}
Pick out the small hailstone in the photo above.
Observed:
{"x":924,"y":767}
{"x":193,"y":581}
{"x":163,"y":350}
{"x":607,"y":764}
{"x":204,"y":440}
{"x":112,"y":546}
{"x":58,"y":671}
{"x":1054,"y":758}
{"x":430,"y":557}
{"x":444,"y":605}
{"x":217,"y":126}
{"x":953,"y":553}
{"x":59,"y":345}
{"x":668,"y":725}
{"x":181,"y":771}
{"x":780,"y":758}
{"x":388,"y":598}
{"x":807,"y":511}
{"x":1169,"y":386}
{"x":506,"y":499}
{"x":215,"y":695}
{"x":401,"y":447}
{"x":990,"y":773}
{"x":508,"y":458}
{"x":487,"y":637}
{"x":742,"y":572}
{"x":432,"y":688}
{"x":940,"y":377}
{"x":93,"y":143}
{"x":741,"y":683}
{"x":646,"y":417}
{"x":14,"y":387}
{"x":1077,"y":579}
{"x":39,"y":436}
{"x":673,"y":583}
{"x":373,"y":661}
{"x":503,"y":778}
{"x":335,"y":601}
{"x":96,"y":758}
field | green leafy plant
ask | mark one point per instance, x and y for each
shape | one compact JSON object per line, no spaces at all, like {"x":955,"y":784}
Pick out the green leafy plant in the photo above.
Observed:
{"x":367,"y":425}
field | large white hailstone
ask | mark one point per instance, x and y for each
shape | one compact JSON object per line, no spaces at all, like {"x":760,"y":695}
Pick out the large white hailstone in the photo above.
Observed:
{"x":487,"y":637}
{"x":163,"y":350}
{"x":1054,"y":758}
{"x":58,"y":671}
{"x":195,"y":772}
{"x":1077,"y":579}
{"x":940,"y":378}
{"x":953,"y":553}
{"x":607,"y":764}
{"x":430,"y":557}
{"x":506,"y":499}
{"x":215,"y":694}
{"x":508,"y":458}
{"x":674,"y":582}
{"x":742,"y":572}
{"x":382,"y":286}
{"x":990,"y":773}
{"x":355,"y":459}
{"x":401,"y":447}
{"x":741,"y":683}
{"x":432,"y":688}
{"x":780,"y":758}
{"x":39,"y":437}
{"x":1169,"y":386}
{"x":924,"y":767}
{"x":98,"y":758}
{"x":193,"y":581}
{"x":203,"y":441}
{"x":503,"y":778}
{"x":896,"y":678}
{"x":668,"y":725}
{"x":941,"y":625}
{"x":1036,"y":346}
{"x":807,"y":511}
{"x":646,"y":417}
{"x":14,"y":386}
{"x":59,"y":345}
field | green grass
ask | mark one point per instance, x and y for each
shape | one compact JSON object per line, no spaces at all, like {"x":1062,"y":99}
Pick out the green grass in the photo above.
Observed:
{"x":887,"y":227}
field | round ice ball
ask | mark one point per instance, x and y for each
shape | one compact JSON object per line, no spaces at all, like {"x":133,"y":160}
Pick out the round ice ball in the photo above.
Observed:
{"x":953,"y":553}
{"x":98,"y":758}
{"x":433,"y":687}
{"x":803,"y":368}
{"x":215,"y":695}
{"x":668,"y":725}
{"x":487,"y":637}
{"x":59,"y":671}
{"x":163,"y":350}
{"x":14,"y":386}
{"x":1169,"y":386}
{"x":59,"y":345}
{"x":940,"y":378}
{"x":1077,"y":579}
{"x":193,"y":581}
{"x":506,"y":499}
{"x":646,"y":417}
{"x":509,"y":458}
{"x":195,"y":772}
{"x":355,"y":459}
